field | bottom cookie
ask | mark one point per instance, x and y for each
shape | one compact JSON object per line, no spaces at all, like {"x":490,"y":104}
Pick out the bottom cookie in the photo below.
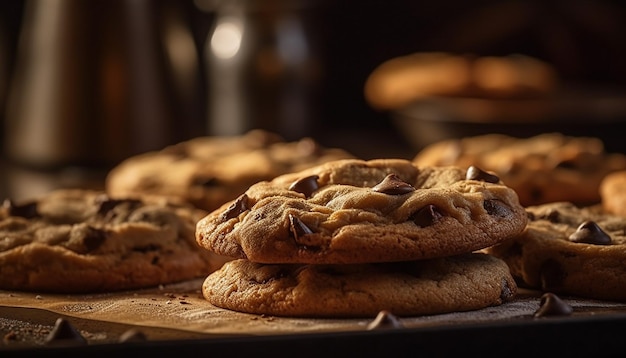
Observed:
{"x":460,"y":283}
{"x":578,"y":251}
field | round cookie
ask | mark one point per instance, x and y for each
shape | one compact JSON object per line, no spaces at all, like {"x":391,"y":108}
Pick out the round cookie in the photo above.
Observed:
{"x":401,"y":80}
{"x":209,"y":171}
{"x":357,"y":211}
{"x":613,"y":193}
{"x":569,"y":250}
{"x":545,"y":168}
{"x":74,"y":240}
{"x":450,"y":284}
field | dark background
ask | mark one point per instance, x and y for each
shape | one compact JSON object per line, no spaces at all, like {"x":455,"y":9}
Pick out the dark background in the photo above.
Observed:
{"x":584,"y":40}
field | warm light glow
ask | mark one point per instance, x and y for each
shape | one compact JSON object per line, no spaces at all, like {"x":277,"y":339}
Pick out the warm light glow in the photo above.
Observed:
{"x":226,"y":39}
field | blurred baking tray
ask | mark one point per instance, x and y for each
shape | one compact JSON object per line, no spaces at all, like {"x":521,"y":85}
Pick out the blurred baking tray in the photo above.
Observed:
{"x":574,"y":110}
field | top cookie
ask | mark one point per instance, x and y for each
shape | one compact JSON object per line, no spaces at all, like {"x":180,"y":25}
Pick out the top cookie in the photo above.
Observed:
{"x":356,"y":211}
{"x":209,"y":171}
{"x":545,"y":168}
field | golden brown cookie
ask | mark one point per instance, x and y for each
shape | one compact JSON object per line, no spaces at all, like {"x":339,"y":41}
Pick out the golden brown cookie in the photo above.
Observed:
{"x":460,"y":283}
{"x":613,"y":193}
{"x":569,"y":250}
{"x":545,"y":168}
{"x":356,"y":211}
{"x":74,"y":240}
{"x":401,"y":80}
{"x":209,"y":171}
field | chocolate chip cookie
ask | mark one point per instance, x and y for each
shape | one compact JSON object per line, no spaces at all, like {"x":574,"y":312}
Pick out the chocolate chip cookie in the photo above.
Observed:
{"x":209,"y":171}
{"x":546,"y":168}
{"x":356,"y":211}
{"x":613,"y":193}
{"x":459,"y":283}
{"x":569,"y":250}
{"x":75,"y":240}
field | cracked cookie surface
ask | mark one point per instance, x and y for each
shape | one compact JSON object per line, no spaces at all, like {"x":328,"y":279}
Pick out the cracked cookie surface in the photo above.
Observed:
{"x":542,"y":169}
{"x":460,"y":283}
{"x":74,"y":240}
{"x":356,"y":211}
{"x":208,"y":171}
{"x":571,"y":250}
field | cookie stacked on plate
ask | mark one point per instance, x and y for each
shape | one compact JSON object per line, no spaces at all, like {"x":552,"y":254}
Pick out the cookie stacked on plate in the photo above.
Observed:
{"x":350,"y":238}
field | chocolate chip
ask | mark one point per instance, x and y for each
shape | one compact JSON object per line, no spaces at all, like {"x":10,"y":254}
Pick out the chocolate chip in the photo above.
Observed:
{"x":106,"y":204}
{"x":64,"y":333}
{"x":237,"y":207}
{"x":475,"y":173}
{"x":385,"y":320}
{"x":298,"y":228}
{"x":426,"y":216}
{"x":590,"y":233}
{"x":495,"y":207}
{"x":205,"y":182}
{"x":552,"y":216}
{"x":27,"y":210}
{"x":306,"y":185}
{"x":552,"y":305}
{"x":93,"y":238}
{"x":393,"y":185}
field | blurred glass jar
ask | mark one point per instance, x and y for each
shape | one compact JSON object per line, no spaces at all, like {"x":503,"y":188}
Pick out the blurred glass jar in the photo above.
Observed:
{"x":98,"y":81}
{"x":263,"y":68}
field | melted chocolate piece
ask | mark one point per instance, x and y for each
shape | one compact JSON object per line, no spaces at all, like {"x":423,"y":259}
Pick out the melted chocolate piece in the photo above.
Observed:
{"x":552,"y":305}
{"x":496,"y":207}
{"x":393,"y":185}
{"x":205,"y":182}
{"x":93,"y":239}
{"x":106,"y":204}
{"x":426,"y":216}
{"x":385,"y":320}
{"x":64,"y":333}
{"x":475,"y":173}
{"x":27,"y":211}
{"x":237,"y":207}
{"x":298,"y":228}
{"x":590,"y":233}
{"x":306,"y":185}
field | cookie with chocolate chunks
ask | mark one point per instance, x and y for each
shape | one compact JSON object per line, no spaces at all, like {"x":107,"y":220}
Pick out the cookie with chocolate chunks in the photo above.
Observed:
{"x":211,"y":170}
{"x":356,"y":211}
{"x":542,"y":169}
{"x":75,"y":240}
{"x":451,"y":284}
{"x":569,"y":250}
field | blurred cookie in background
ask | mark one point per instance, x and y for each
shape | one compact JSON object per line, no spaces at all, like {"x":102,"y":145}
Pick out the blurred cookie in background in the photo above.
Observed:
{"x":544,"y":168}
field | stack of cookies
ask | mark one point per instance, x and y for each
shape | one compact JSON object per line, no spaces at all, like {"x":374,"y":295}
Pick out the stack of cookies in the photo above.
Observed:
{"x":352,"y":238}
